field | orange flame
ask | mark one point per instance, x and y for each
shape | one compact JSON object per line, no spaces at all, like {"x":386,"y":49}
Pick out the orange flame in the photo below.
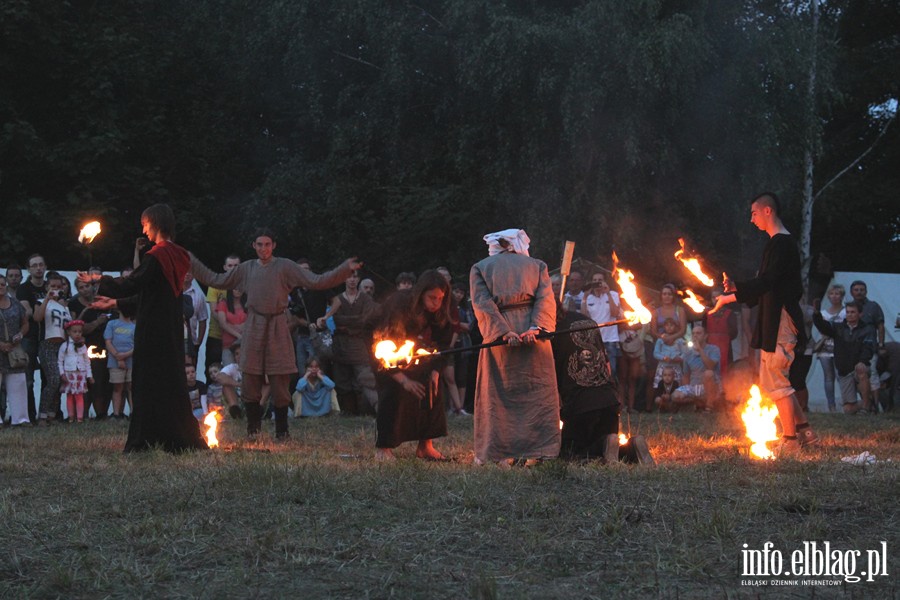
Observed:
{"x":390,"y":356}
{"x":623,"y":439}
{"x":211,"y":420}
{"x":693,"y":265}
{"x":691,"y":299}
{"x":625,"y":279}
{"x":560,"y":425}
{"x":89,"y":232}
{"x":759,"y":420}
{"x":92,"y":352}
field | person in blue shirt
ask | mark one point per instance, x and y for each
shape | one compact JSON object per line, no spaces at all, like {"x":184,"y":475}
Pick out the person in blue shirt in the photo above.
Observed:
{"x":313,"y":395}
{"x":119,"y":336}
{"x":700,"y":381}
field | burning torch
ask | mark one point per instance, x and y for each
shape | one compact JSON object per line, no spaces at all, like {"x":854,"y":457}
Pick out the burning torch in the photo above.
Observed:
{"x":86,"y":236}
{"x":693,"y":265}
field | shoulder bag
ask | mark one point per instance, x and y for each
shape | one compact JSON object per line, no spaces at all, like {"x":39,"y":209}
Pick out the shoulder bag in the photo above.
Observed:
{"x":18,"y":358}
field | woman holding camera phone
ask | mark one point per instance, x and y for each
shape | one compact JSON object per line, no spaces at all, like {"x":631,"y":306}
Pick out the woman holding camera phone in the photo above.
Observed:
{"x":54,"y":314}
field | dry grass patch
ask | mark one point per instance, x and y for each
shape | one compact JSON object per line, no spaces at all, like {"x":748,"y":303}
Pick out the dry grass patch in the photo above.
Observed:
{"x":316,"y":516}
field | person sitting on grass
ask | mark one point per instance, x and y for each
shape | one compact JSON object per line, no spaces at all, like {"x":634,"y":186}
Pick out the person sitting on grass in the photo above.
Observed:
{"x":75,"y":369}
{"x":215,"y":398}
{"x":231,"y":377}
{"x":701,"y":369}
{"x":665,"y":388}
{"x":196,"y":391}
{"x":119,"y":336}
{"x":313,"y":395}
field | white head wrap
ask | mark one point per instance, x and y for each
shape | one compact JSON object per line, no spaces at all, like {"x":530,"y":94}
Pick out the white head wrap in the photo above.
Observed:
{"x":517,"y":238}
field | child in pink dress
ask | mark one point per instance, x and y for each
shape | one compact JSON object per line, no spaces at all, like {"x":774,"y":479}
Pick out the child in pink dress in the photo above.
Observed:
{"x":75,"y":369}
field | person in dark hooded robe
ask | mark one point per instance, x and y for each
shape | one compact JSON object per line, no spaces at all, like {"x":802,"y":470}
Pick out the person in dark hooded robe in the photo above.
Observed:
{"x":161,"y":415}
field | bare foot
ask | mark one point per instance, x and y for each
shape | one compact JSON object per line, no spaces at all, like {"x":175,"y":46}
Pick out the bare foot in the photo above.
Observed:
{"x":427,"y":451}
{"x":384,"y":454}
{"x":433,"y":456}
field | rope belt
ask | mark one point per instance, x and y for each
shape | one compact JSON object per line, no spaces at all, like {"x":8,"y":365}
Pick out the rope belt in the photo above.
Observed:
{"x":516,"y":306}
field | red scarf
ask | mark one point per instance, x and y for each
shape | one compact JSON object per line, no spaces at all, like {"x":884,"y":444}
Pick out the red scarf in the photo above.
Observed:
{"x":175,"y":263}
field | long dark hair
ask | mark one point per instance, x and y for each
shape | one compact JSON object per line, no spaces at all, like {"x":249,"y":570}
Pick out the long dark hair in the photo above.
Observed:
{"x":404,"y":313}
{"x":229,"y":300}
{"x":432,"y":280}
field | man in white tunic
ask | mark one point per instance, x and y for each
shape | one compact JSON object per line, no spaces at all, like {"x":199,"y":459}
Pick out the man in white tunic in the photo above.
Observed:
{"x":266,"y":346}
{"x":516,"y":398}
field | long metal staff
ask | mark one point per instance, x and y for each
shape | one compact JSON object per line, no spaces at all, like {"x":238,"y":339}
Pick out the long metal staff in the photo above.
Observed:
{"x":541,"y":336}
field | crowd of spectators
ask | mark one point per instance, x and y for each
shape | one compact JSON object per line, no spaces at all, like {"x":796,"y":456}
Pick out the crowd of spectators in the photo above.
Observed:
{"x":680,"y":360}
{"x":704,"y":362}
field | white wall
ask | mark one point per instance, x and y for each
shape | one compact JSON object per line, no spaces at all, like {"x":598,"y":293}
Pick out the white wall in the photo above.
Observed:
{"x":201,"y":360}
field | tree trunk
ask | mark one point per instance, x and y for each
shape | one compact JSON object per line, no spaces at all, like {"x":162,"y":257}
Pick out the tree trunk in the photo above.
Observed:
{"x":809,"y":153}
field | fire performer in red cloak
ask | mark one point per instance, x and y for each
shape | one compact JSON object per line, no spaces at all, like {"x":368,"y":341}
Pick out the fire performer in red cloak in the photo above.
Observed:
{"x":777,"y":289}
{"x":162,"y":409}
{"x":409,"y":408}
{"x":516,"y":400}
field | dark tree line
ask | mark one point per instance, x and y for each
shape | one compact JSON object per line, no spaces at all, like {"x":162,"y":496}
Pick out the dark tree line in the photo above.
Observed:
{"x":403,"y":132}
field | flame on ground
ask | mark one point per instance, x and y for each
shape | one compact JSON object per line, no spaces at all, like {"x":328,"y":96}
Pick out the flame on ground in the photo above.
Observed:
{"x":693,"y":265}
{"x":691,"y":299}
{"x":89,"y":232}
{"x":759,"y":420}
{"x":625,"y":279}
{"x":92,"y":352}
{"x":211,"y":420}
{"x":623,"y":439}
{"x":390,"y":356}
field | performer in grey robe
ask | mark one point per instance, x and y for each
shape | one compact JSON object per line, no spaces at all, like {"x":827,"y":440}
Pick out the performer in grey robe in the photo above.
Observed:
{"x":266,"y":345}
{"x":516,"y":398}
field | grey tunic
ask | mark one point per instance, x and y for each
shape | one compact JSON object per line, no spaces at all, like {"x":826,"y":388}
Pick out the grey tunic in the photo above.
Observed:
{"x":516,"y":398}
{"x":353,"y":336}
{"x":266,"y":345}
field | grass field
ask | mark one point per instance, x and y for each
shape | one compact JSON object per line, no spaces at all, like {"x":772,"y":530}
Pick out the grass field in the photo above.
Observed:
{"x":316,"y":518}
